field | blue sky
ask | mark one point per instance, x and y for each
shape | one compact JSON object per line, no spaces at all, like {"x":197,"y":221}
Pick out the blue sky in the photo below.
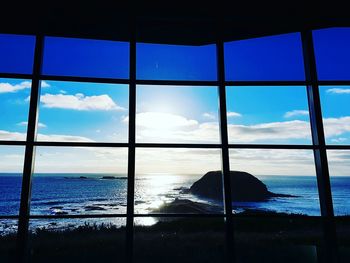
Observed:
{"x":73,"y":111}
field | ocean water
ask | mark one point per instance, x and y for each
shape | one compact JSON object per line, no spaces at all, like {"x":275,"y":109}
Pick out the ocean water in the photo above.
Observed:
{"x":62,"y":194}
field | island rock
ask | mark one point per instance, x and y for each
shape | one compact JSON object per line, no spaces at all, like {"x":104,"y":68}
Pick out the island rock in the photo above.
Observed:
{"x":244,"y":187}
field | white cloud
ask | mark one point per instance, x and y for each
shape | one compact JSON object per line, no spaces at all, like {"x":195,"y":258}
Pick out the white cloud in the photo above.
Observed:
{"x":163,"y":121}
{"x":273,"y":162}
{"x":18,"y":136}
{"x":163,"y":127}
{"x":7,"y":87}
{"x":295,"y":113}
{"x":233,"y":114}
{"x":12,"y":136}
{"x":44,"y":84}
{"x":79,"y":102}
{"x":339,"y":140}
{"x":24,"y":123}
{"x":63,"y":91}
{"x":62,"y":138}
{"x":209,"y":116}
{"x":338,"y":91}
{"x":336,"y":126}
{"x":273,"y":131}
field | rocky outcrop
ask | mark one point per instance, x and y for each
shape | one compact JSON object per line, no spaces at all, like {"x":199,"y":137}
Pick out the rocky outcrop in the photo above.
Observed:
{"x":244,"y":187}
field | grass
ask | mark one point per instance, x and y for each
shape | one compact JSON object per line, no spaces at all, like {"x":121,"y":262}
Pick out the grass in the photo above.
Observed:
{"x":267,"y":238}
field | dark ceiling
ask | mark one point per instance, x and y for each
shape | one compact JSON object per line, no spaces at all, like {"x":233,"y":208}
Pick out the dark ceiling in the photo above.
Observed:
{"x":167,"y":21}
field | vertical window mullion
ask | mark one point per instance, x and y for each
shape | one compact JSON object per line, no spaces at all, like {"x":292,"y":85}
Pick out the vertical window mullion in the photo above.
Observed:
{"x":29,"y":158}
{"x":225,"y":153}
{"x":320,"y":152}
{"x":131,"y":154}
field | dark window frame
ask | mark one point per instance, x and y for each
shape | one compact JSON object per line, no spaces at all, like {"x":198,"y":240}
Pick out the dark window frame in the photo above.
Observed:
{"x":318,"y":146}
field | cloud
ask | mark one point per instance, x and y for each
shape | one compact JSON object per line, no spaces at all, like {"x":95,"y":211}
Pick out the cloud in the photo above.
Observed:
{"x":164,"y":127}
{"x":12,"y":136}
{"x":273,"y":161}
{"x":339,"y":140}
{"x":273,"y":131}
{"x":233,"y":114}
{"x":295,"y":113}
{"x":338,"y":91}
{"x":7,"y":87}
{"x":209,"y":116}
{"x":44,"y":84}
{"x":336,"y":126}
{"x":24,"y":123}
{"x":18,"y":136}
{"x":162,"y":121}
{"x":62,"y":138}
{"x":79,"y":102}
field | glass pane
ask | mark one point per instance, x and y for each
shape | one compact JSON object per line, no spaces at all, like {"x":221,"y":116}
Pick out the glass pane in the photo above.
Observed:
{"x":338,"y":162}
{"x":266,"y":58}
{"x":78,"y":240}
{"x":343,"y":240}
{"x":332,"y":53}
{"x":77,"y":111}
{"x":77,"y":180}
{"x":11,"y":169}
{"x":86,"y":58}
{"x":8,"y":234}
{"x":178,"y":181}
{"x":180,"y":240}
{"x":16,"y":53}
{"x":274,"y":182}
{"x":277,"y":239}
{"x":176,"y":114}
{"x":268,"y":115}
{"x":171,"y":62}
{"x":14,"y":107}
{"x":336,"y":113}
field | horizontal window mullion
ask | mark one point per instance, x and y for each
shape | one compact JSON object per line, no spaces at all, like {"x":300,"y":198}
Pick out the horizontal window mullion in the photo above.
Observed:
{"x":85,"y":216}
{"x":266,"y":83}
{"x":271,"y":146}
{"x":187,"y":215}
{"x":84,"y":79}
{"x":16,"y":76}
{"x":176,"y":145}
{"x":13,"y":143}
{"x":80,"y":144}
{"x":178,"y":82}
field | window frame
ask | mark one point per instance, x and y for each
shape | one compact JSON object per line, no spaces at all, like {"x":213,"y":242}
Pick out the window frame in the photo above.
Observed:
{"x":318,"y":145}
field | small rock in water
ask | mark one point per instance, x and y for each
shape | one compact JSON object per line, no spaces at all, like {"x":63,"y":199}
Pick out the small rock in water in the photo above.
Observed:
{"x":56,"y":207}
{"x":94,"y":208}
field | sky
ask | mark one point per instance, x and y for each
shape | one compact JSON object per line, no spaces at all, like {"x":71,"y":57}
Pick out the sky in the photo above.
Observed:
{"x":74,"y":111}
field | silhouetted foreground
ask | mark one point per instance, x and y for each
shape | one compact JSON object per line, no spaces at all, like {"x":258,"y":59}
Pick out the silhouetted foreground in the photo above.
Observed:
{"x":268,"y":238}
{"x":244,"y":187}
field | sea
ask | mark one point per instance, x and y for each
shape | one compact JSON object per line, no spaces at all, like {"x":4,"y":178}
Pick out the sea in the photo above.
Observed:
{"x":79,"y":194}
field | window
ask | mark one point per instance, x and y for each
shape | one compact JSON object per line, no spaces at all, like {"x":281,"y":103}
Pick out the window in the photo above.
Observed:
{"x":86,"y":58}
{"x":163,"y":150}
{"x":16,"y":53}
{"x":267,"y":58}
{"x":336,"y":113}
{"x":72,"y":181}
{"x":14,"y":99}
{"x":83,"y":112}
{"x":332,"y":53}
{"x":268,"y":115}
{"x":170,"y":62}
{"x":177,"y":114}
